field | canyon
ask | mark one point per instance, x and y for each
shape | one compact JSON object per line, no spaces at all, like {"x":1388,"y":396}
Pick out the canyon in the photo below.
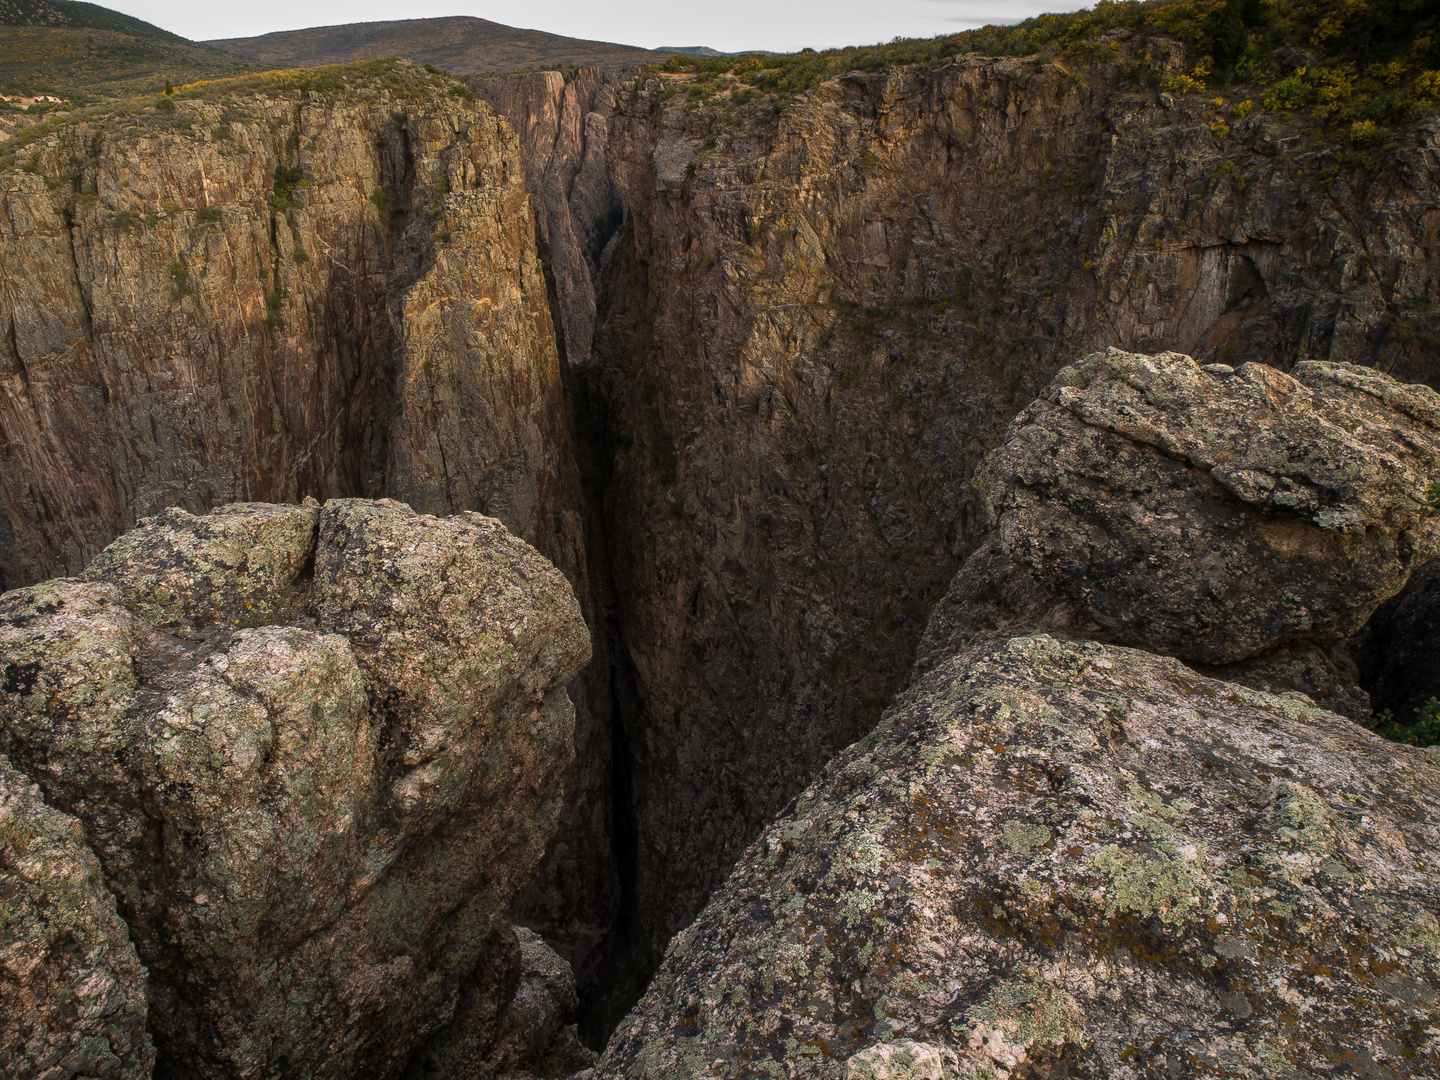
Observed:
{"x":733,"y":362}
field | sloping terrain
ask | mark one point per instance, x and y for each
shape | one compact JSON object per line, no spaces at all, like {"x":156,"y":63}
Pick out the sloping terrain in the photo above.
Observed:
{"x":81,"y":51}
{"x":459,"y":44}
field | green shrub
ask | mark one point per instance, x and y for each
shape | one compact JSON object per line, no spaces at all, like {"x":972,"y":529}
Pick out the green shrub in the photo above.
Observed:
{"x":209,"y":214}
{"x":180,"y":286}
{"x":1424,"y":730}
{"x":380,"y":199}
{"x":288,"y":180}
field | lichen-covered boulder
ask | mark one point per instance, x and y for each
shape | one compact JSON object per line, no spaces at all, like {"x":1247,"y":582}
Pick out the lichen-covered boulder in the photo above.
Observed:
{"x":531,"y":1033}
{"x":72,"y":991}
{"x":237,"y":566}
{"x":1069,"y":859}
{"x":1210,"y":513}
{"x":313,"y":795}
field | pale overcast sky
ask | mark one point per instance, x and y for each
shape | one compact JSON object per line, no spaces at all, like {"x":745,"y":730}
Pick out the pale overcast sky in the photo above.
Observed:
{"x":731,"y":25}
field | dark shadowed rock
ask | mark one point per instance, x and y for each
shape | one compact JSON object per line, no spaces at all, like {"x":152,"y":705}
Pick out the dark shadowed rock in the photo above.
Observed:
{"x":72,"y":991}
{"x":532,"y":1032}
{"x":1398,"y":652}
{"x":1072,"y":859}
{"x":312,"y":826}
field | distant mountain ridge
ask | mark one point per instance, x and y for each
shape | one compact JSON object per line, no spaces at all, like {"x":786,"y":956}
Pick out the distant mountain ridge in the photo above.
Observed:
{"x":80,"y":16}
{"x":461,"y":44}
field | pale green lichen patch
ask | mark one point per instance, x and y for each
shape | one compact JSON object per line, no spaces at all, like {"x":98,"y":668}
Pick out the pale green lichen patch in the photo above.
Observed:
{"x":1022,"y":838}
{"x":1161,"y":884}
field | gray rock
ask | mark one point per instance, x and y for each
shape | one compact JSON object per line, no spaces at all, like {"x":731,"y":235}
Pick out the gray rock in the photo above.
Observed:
{"x":1214,"y":517}
{"x":71,"y":986}
{"x":1060,"y":858}
{"x":238,"y":566}
{"x":312,"y":826}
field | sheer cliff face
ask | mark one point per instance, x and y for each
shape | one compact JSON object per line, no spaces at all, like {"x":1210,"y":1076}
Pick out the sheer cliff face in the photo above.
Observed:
{"x":563,"y":130}
{"x":811,"y":327}
{"x":270,"y":294}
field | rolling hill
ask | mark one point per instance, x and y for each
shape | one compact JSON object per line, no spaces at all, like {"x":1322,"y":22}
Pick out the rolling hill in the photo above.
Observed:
{"x":459,"y":44}
{"x":82,"y":51}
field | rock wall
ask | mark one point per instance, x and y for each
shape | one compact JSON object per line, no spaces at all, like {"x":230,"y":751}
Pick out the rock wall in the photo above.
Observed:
{"x":285,"y":287}
{"x":813,"y":324}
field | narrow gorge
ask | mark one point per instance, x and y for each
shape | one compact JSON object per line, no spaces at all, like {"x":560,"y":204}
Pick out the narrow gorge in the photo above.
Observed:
{"x":684,"y":521}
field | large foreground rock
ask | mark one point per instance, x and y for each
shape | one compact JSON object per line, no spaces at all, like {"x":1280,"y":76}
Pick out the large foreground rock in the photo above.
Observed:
{"x":1244,"y":520}
{"x":1071,"y":859}
{"x":1211,"y":513}
{"x":316,"y":752}
{"x":72,"y":991}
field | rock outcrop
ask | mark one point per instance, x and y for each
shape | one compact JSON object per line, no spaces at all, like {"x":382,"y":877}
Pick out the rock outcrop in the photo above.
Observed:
{"x":72,"y":987}
{"x":316,"y":752}
{"x":1066,"y":858}
{"x":514,"y":1019}
{"x":1213,"y":514}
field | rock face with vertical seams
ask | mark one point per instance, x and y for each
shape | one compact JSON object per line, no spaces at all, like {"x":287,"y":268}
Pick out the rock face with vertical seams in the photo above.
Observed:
{"x":562,"y":124}
{"x":823,"y":310}
{"x":315,"y":284}
{"x":316,"y":752}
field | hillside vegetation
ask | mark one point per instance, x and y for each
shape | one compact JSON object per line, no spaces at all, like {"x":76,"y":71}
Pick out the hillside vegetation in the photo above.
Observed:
{"x":1363,"y":67}
{"x":461,"y":44}
{"x":82,"y":52}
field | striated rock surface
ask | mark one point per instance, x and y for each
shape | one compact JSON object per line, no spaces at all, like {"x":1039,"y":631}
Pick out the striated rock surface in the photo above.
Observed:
{"x":1247,"y":521}
{"x":1060,"y":858}
{"x":821,"y":313}
{"x":320,"y":283}
{"x":71,"y":986}
{"x":313,"y":812}
{"x":562,"y":124}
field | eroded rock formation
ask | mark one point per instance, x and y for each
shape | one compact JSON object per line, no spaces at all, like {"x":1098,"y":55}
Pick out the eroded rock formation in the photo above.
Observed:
{"x":1213,"y":514}
{"x":316,"y":753}
{"x":284,"y":287}
{"x":1064,"y":857}
{"x":813,"y":325}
